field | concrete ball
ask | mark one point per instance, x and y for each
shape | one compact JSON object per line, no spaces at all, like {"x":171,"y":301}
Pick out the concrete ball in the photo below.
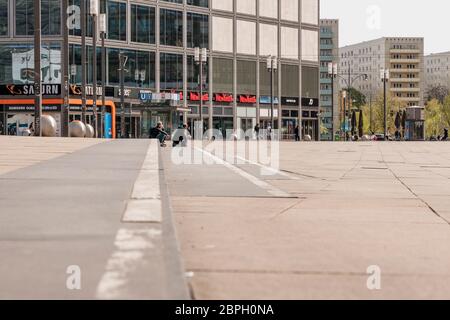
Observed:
{"x":48,"y":126}
{"x":89,"y":131}
{"x":77,"y":129}
{"x":307,"y":138}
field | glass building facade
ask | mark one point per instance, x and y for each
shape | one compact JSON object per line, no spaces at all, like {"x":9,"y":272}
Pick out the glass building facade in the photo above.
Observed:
{"x":158,"y":38}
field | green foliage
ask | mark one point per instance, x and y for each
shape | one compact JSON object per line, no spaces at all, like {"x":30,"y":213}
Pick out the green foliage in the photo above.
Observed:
{"x":358,"y":98}
{"x":374,"y":114}
{"x":437,"y":117}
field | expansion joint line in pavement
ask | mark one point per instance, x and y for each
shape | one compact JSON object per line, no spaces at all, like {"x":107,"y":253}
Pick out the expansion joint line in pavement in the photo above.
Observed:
{"x":412,"y":191}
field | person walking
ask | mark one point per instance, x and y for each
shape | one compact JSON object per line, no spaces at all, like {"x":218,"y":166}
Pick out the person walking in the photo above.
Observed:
{"x":257,"y":128}
{"x":297,"y":133}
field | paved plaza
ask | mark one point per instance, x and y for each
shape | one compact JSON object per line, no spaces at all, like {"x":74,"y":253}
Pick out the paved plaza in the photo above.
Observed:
{"x":312,"y":230}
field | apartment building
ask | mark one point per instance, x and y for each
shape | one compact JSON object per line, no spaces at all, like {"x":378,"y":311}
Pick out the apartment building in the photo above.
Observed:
{"x":403,"y":57}
{"x":437,"y":70}
{"x":329,"y":53}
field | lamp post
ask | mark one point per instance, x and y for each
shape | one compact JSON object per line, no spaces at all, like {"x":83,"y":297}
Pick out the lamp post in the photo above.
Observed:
{"x":385,"y":79}
{"x":349,"y":83}
{"x":344,"y":97}
{"x":333,"y":73}
{"x":102,"y":29}
{"x":37,"y":69}
{"x":94,"y":10}
{"x":201,"y":57}
{"x":83,"y":61}
{"x":122,"y":63}
{"x":65,"y":110}
{"x":272,"y":67}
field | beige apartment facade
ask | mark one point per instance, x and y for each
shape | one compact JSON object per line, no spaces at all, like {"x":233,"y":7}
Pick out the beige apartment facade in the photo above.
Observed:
{"x":402,"y":56}
{"x":437,"y":70}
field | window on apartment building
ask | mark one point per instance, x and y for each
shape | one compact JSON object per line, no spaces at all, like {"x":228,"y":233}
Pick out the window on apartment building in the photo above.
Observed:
{"x":171,"y":28}
{"x":174,"y":1}
{"x":197,"y":30}
{"x":3,"y":17}
{"x":51,"y":17}
{"x":143,"y":23}
{"x":117,"y":20}
{"x":141,"y":66}
{"x":223,"y":75}
{"x":198,"y":3}
{"x":246,"y":77}
{"x":171,"y":71}
{"x":290,"y":81}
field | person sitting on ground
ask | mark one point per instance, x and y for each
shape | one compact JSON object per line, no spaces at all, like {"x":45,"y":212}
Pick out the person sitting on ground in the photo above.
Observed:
{"x":159,"y":133}
{"x":445,"y":137}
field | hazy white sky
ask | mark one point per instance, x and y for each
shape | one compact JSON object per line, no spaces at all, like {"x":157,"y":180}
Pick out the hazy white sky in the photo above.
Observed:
{"x":362,"y":20}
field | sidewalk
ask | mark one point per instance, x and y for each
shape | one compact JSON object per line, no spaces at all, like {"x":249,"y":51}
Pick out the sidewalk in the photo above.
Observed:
{"x":358,"y":205}
{"x":67,"y":211}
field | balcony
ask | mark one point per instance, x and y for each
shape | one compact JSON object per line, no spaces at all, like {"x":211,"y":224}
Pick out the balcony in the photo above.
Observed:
{"x":399,"y":51}
{"x":326,"y":58}
{"x":405,"y":70}
{"x":326,"y":35}
{"x":406,"y":99}
{"x":410,"y":61}
{"x":405,"y":80}
{"x":405,"y":89}
{"x":326,"y":46}
{"x":325,"y":92}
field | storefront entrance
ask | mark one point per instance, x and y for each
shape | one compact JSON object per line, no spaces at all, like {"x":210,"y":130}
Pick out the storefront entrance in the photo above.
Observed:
{"x":310,"y":127}
{"x":288,"y":129}
{"x":223,"y":124}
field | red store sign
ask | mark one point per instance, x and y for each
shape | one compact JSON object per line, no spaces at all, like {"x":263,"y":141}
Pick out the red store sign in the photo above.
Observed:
{"x":251,"y":99}
{"x":223,"y":97}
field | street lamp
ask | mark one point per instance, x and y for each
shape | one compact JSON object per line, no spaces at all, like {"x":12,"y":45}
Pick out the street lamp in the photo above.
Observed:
{"x":102,"y":29}
{"x":385,"y":73}
{"x":201,"y":57}
{"x":122,"y":63}
{"x":37,"y":69}
{"x":349,"y":82}
{"x":94,"y":11}
{"x":83,"y":60}
{"x":73,"y":72}
{"x":333,"y":73}
{"x":272,"y":67}
{"x":139,"y":76}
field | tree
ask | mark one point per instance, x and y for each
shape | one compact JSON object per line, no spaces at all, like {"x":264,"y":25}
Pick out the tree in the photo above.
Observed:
{"x":358,"y":99}
{"x":375,"y":117}
{"x":438,"y":93}
{"x":437,"y":117}
{"x":433,"y":124}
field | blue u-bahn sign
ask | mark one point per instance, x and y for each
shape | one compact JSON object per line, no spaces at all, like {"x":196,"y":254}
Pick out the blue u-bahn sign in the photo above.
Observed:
{"x":145,"y":95}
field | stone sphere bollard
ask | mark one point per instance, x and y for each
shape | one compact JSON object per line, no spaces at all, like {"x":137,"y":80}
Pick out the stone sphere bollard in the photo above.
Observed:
{"x":366,"y":138}
{"x":48,"y":126}
{"x":89,"y":131}
{"x":26,"y":133}
{"x":77,"y":129}
{"x":307,"y":138}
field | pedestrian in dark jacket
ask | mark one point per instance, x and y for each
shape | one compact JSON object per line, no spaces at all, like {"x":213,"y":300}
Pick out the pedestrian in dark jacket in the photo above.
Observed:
{"x":159,"y":133}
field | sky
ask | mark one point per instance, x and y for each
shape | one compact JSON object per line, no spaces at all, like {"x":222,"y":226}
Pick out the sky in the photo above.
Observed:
{"x":362,"y":20}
